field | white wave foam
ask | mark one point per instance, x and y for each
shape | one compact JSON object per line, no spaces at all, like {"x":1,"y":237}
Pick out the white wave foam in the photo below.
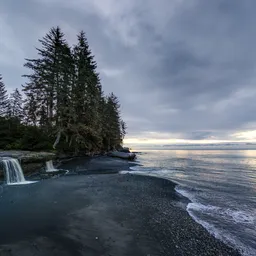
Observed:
{"x":135,"y":168}
{"x":161,"y":173}
{"x":204,"y":208}
{"x":124,"y":172}
{"x":238,"y":216}
{"x":230,"y":215}
{"x":166,"y":171}
{"x":143,"y":173}
{"x":221,"y":234}
{"x":211,"y":228}
{"x":185,"y":193}
{"x":22,"y":183}
{"x":241,"y":217}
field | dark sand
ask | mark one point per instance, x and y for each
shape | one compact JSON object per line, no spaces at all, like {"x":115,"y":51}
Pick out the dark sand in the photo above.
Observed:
{"x":100,"y":215}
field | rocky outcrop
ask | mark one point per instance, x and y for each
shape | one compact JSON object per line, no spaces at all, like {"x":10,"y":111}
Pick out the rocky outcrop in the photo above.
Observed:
{"x":30,"y":161}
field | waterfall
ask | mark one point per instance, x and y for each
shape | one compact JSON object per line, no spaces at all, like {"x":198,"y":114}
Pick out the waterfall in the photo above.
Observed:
{"x":13,"y":171}
{"x":50,"y":167}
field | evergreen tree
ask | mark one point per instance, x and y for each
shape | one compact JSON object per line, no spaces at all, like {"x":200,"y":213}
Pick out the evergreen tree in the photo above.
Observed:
{"x":123,"y":129}
{"x":30,"y":109}
{"x":64,"y":109}
{"x":15,"y":105}
{"x":47,"y":75}
{"x":4,"y":102}
{"x":64,"y":97}
{"x":86,"y":79}
{"x":86,"y":98}
{"x":113,"y":133}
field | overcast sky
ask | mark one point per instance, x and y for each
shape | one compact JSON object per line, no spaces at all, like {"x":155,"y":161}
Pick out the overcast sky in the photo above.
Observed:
{"x":182,"y":69}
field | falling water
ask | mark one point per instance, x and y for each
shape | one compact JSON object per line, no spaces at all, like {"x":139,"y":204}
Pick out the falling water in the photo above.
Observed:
{"x":50,"y":167}
{"x":13,"y":171}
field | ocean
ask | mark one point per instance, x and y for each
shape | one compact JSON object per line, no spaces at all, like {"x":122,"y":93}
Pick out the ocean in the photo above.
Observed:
{"x":220,"y":183}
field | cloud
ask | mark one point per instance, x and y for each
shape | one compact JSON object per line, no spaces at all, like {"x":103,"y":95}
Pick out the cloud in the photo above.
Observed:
{"x":182,"y":69}
{"x":111,"y":72}
{"x":10,"y":48}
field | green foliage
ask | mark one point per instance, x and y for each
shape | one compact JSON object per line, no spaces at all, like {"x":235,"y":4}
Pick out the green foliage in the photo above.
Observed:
{"x":10,"y":131}
{"x":112,"y":128}
{"x":15,"y":135}
{"x":35,"y":138}
{"x":64,"y":105}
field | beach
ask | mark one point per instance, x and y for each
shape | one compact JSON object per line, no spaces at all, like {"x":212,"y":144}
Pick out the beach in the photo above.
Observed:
{"x":101,"y":214}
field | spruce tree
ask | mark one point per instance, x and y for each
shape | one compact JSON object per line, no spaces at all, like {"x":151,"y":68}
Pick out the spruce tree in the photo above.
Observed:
{"x":86,"y":97}
{"x":30,"y":109}
{"x":15,"y":105}
{"x":63,"y":92}
{"x":4,"y":102}
{"x":64,"y":109}
{"x":123,"y":129}
{"x":47,"y":73}
{"x":113,"y":133}
{"x":84,"y":72}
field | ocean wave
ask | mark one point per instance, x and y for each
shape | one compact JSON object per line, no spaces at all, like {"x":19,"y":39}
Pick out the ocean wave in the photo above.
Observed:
{"x":124,"y":172}
{"x":136,"y":168}
{"x":185,"y":193}
{"x":232,"y":215}
{"x":242,"y":216}
{"x":195,"y":208}
{"x":219,"y":197}
{"x":150,"y":170}
{"x":222,"y":235}
{"x":245,"y":218}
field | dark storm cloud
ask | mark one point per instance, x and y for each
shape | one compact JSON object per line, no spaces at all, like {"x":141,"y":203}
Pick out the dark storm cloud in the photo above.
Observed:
{"x":185,"y":69}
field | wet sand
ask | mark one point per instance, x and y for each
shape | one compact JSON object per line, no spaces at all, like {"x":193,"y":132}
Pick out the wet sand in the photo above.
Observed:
{"x":101,"y":214}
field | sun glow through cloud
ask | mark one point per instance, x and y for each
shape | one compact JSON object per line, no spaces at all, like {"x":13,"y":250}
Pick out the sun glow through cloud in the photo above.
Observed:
{"x":158,"y":139}
{"x":247,"y":135}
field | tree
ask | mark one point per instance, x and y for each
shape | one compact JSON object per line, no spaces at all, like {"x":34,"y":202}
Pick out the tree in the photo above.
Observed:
{"x":64,"y":97}
{"x":112,"y":129}
{"x":30,"y":109}
{"x":85,"y":88}
{"x":86,"y":96}
{"x":46,"y":79}
{"x":123,"y":129}
{"x":15,"y":105}
{"x":4,"y":102}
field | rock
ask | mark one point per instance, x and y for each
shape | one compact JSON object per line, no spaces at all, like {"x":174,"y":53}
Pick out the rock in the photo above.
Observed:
{"x":30,"y":161}
{"x":28,"y":156}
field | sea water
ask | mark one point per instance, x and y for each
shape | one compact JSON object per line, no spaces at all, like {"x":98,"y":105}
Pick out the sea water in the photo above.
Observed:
{"x":220,"y":183}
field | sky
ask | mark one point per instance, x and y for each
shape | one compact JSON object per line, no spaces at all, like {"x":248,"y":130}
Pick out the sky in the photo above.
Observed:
{"x":184,"y":71}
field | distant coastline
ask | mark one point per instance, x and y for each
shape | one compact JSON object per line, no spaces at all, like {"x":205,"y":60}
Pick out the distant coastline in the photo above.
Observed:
{"x":210,"y":146}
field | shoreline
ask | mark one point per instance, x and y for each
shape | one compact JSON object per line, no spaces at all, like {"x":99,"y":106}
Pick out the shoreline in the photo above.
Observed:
{"x":33,"y":162}
{"x":187,"y":200}
{"x":109,"y":214}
